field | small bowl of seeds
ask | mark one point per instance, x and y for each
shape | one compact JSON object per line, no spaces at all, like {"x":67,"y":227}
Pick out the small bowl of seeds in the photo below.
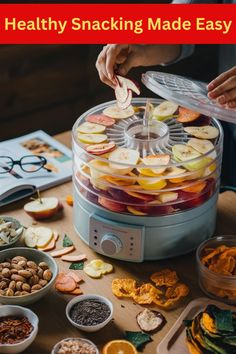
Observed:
{"x":75,"y":345}
{"x":11,"y":231}
{"x":89,"y":313}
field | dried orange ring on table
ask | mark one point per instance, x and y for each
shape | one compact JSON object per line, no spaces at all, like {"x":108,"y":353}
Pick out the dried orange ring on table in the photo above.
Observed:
{"x":119,"y":347}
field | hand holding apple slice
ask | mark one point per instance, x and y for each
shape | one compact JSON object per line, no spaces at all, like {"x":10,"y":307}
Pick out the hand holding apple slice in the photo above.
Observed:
{"x":42,"y":208}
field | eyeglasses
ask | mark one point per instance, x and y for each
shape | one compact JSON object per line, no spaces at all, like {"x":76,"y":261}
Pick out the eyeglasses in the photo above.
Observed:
{"x":28,"y":163}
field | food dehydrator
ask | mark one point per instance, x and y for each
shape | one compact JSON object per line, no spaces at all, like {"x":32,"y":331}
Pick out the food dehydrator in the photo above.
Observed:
{"x":152,"y":193}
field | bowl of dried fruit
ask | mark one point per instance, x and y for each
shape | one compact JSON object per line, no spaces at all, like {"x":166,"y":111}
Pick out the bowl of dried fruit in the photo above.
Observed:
{"x":89,"y":313}
{"x":216,"y":260}
{"x":75,"y":345}
{"x":19,"y":327}
{"x":26,"y":275}
{"x":11,"y":231}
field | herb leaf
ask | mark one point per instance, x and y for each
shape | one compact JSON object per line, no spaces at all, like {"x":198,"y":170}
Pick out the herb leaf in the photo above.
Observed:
{"x":67,"y":241}
{"x":137,"y":338}
{"x":77,"y":266}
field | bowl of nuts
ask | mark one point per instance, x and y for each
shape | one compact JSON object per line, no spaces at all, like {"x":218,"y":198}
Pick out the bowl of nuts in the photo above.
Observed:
{"x":10,"y":231}
{"x":75,"y":345}
{"x":26,"y":275}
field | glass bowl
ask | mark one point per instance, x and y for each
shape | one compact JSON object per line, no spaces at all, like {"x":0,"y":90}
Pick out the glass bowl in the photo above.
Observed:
{"x":216,"y":285}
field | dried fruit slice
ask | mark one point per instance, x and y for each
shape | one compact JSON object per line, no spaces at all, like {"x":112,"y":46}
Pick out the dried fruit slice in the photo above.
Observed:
{"x":50,"y":246}
{"x":201,"y":145}
{"x":129,"y":84}
{"x":205,"y":132}
{"x":65,"y":283}
{"x":77,"y":291}
{"x":97,"y":267}
{"x":134,"y":211}
{"x":78,"y":258}
{"x":92,"y":138}
{"x":62,"y":252}
{"x":30,"y":237}
{"x":123,"y":156}
{"x":196,"y":187}
{"x":149,"y":320}
{"x":152,"y":183}
{"x":156,"y":160}
{"x":183,"y":152}
{"x":168,"y":197}
{"x":99,"y":149}
{"x":186,"y":115}
{"x":123,"y":287}
{"x":44,"y":235}
{"x":164,"y":110}
{"x":110,"y":205}
{"x":115,"y":112}
{"x":119,"y":346}
{"x":91,"y":128}
{"x":172,"y":172}
{"x":100,"y":119}
{"x":120,"y":181}
{"x":75,"y":277}
{"x":165,"y":277}
{"x":145,"y":294}
{"x":121,"y":91}
{"x":127,"y":103}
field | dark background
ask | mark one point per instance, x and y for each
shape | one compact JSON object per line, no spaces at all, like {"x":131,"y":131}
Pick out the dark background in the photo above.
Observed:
{"x":48,"y":86}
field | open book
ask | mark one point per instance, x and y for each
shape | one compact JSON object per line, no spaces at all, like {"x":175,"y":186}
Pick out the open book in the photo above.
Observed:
{"x":18,"y":184}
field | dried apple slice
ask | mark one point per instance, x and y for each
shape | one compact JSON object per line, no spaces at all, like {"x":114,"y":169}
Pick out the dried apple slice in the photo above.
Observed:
{"x":100,"y":149}
{"x":62,"y":252}
{"x":157,"y":160}
{"x":110,"y":205}
{"x":44,"y":234}
{"x":168,"y":197}
{"x":183,"y":152}
{"x":165,"y":110}
{"x":152,"y":183}
{"x":121,"y":91}
{"x":96,"y":268}
{"x":92,"y":138}
{"x":91,"y":128}
{"x":30,"y":237}
{"x":100,"y":119}
{"x":134,"y":211}
{"x":186,"y":115}
{"x":129,"y":84}
{"x":204,"y":132}
{"x":117,"y":113}
{"x":201,"y":145}
{"x":127,"y":103}
{"x":71,"y":259}
{"x":123,"y":156}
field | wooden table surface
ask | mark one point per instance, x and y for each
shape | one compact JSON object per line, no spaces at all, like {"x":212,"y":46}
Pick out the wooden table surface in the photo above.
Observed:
{"x":53,"y":325}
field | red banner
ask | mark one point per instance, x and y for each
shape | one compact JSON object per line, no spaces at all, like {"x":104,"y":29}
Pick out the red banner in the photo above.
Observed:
{"x":117,"y":23}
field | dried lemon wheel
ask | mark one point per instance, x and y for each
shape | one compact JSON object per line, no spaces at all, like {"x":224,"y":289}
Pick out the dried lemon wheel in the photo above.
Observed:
{"x":119,"y":347}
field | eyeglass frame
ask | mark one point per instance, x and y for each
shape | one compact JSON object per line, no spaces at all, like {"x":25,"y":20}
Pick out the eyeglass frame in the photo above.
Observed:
{"x":18,"y":162}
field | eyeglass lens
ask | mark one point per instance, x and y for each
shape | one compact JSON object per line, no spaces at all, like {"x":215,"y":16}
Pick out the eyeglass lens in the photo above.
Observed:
{"x":6,"y":164}
{"x":31,"y":163}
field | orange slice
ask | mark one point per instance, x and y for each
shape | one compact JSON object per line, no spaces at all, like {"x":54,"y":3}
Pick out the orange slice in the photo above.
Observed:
{"x":119,"y":347}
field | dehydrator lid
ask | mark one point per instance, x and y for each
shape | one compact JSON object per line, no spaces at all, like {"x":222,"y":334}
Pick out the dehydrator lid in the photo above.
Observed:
{"x":187,"y":93}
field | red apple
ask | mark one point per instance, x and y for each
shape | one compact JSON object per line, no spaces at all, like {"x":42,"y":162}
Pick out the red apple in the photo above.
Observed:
{"x":43,"y":208}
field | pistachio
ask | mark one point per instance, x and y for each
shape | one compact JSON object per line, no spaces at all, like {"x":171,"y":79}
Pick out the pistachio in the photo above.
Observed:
{"x":17,"y":293}
{"x":25,"y":273}
{"x":25,"y":293}
{"x":17,"y":277}
{"x":32,"y":265}
{"x":3,"y":285}
{"x":14,"y":271}
{"x":22,"y":264}
{"x":40,"y":273}
{"x":42,"y":282}
{"x":26,"y":287}
{"x":33,"y":280}
{"x":18,"y":259}
{"x":19,"y":285}
{"x":12,"y":285}
{"x":6,"y":273}
{"x":6,"y":264}
{"x":36,"y":287}
{"x":9,"y":292}
{"x":2,"y":292}
{"x":43,"y":265}
{"x":47,"y":275}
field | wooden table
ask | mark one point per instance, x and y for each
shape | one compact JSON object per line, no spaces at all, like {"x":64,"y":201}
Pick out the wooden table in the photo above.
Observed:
{"x":51,"y":310}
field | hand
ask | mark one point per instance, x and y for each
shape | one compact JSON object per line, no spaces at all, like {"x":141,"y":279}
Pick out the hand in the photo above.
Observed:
{"x":223,"y":88}
{"x":120,"y":58}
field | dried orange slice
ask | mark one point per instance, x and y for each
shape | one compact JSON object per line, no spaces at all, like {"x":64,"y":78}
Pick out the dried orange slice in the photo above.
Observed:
{"x":119,"y":347}
{"x":123,"y":287}
{"x":145,"y":294}
{"x":165,"y":277}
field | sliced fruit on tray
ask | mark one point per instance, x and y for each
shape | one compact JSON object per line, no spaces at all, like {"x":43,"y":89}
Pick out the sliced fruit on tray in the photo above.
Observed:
{"x":42,"y":208}
{"x":152,"y":183}
{"x":96,"y":268}
{"x":130,"y":84}
{"x":142,"y":196}
{"x":92,"y":138}
{"x":205,"y":132}
{"x":186,"y":115}
{"x":196,"y":187}
{"x":127,"y":103}
{"x":110,"y":205}
{"x":172,"y":172}
{"x":38,"y":236}
{"x":91,"y":128}
{"x":115,"y":112}
{"x":165,"y":110}
{"x":120,"y":181}
{"x":156,"y":160}
{"x":100,"y":149}
{"x":168,"y":197}
{"x":135,"y":211}
{"x":123,"y":156}
{"x":183,"y":152}
{"x":201,"y":145}
{"x":62,"y":252}
{"x":100,"y":119}
{"x":98,"y":168}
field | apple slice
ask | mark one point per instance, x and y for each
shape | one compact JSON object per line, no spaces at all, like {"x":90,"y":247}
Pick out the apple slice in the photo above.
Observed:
{"x":127,"y":103}
{"x":30,"y":237}
{"x":131,"y":85}
{"x":121,"y":91}
{"x":117,"y":113}
{"x":44,"y":234}
{"x":92,"y":138}
{"x":42,"y":208}
{"x":186,"y":115}
{"x":142,"y":196}
{"x":168,"y":197}
{"x":91,"y":128}
{"x":110,"y":205}
{"x":49,"y":247}
{"x":201,"y":145}
{"x":134,"y":211}
{"x":152,"y":183}
{"x":100,"y":149}
{"x":174,"y":171}
{"x":124,"y":156}
{"x":183,"y":152}
{"x":165,"y":110}
{"x":78,"y":258}
{"x":204,"y":132}
{"x":100,"y":119}
{"x":157,"y":160}
{"x":196,"y":187}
